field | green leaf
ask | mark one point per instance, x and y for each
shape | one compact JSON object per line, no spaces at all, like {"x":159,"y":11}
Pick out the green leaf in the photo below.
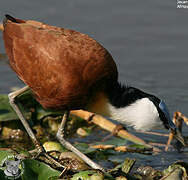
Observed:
{"x":137,"y":146}
{"x":88,"y":175}
{"x":127,"y":165}
{"x":84,"y":148}
{"x":54,"y":178}
{"x":26,"y":102}
{"x":118,"y":158}
{"x":35,"y":170}
{"x":177,"y":165}
{"x":115,"y":141}
{"x":6,"y":112}
{"x":2,"y":175}
{"x":54,"y":146}
{"x":4,"y":155}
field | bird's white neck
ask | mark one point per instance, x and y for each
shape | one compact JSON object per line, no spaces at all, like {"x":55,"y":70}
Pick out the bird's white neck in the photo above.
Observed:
{"x":141,"y":115}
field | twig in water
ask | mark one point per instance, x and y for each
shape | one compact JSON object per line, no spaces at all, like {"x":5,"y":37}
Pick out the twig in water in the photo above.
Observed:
{"x":123,"y":148}
{"x":109,"y":126}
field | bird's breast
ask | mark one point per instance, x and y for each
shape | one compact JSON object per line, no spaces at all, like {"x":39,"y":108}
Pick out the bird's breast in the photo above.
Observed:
{"x":141,"y":115}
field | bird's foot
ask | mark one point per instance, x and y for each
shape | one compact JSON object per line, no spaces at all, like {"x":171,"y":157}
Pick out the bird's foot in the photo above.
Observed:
{"x":41,"y":154}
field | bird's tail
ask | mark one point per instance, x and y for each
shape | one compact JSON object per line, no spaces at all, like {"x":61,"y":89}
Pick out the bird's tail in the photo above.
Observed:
{"x":11,"y":19}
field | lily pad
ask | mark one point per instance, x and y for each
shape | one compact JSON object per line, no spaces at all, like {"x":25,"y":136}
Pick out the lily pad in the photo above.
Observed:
{"x":115,"y":141}
{"x":88,"y":175}
{"x":84,"y":148}
{"x":26,"y":102}
{"x":6,"y":112}
{"x":31,"y":169}
{"x":4,"y":155}
{"x":2,"y":175}
{"x":177,"y":165}
{"x":53,"y":146}
{"x":35,"y":170}
{"x":127,"y":165}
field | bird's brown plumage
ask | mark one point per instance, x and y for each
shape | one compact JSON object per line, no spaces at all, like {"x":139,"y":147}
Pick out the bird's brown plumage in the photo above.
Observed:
{"x":62,"y":67}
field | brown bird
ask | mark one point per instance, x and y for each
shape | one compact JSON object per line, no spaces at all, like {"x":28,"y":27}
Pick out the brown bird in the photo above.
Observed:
{"x":67,"y":70}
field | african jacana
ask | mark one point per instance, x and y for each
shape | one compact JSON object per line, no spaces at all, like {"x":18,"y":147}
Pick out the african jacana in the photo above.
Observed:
{"x":68,"y":70}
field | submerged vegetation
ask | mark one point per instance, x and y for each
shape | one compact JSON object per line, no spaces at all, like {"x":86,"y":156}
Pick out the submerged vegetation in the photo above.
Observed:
{"x":19,"y":158}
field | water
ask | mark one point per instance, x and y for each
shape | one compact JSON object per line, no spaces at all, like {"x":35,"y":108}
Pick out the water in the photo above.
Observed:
{"x":148,"y":41}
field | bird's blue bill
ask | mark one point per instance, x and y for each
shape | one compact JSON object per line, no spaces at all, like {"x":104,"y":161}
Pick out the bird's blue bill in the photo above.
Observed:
{"x":164,"y":108}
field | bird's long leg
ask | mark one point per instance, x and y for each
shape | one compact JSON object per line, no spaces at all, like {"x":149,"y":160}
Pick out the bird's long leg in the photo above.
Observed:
{"x":69,"y":146}
{"x":12,"y":99}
